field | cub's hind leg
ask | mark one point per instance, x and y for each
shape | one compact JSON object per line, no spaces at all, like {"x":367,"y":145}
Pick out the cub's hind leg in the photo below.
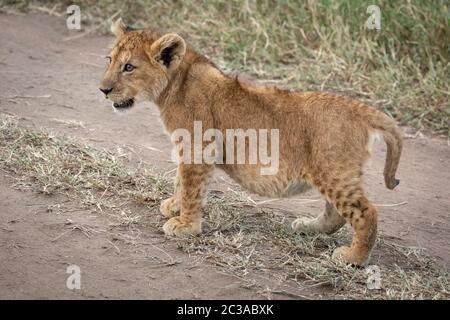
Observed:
{"x":344,"y":191}
{"x":362,"y":216}
{"x":328,"y":222}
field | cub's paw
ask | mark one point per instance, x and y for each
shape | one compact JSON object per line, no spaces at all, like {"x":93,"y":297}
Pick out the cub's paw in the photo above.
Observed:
{"x":347,"y":255}
{"x":178,"y":228}
{"x":304,"y":224}
{"x":169,"y":207}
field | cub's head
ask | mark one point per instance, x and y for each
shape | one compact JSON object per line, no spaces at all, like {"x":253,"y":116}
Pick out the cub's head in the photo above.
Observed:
{"x":140,"y":66}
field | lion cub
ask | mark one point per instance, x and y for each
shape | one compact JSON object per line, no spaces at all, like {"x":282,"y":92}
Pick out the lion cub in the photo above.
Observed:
{"x":324,"y":139}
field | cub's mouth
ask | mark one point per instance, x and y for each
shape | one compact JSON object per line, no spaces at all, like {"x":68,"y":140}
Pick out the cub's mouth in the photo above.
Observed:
{"x":123,"y":105}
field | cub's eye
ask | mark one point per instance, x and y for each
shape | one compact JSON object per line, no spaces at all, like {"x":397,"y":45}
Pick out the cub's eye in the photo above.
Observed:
{"x":128,"y":67}
{"x":108,"y":58}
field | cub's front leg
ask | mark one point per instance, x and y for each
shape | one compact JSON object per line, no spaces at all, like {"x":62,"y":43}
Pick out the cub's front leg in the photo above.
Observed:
{"x":193,"y":180}
{"x":171,"y":207}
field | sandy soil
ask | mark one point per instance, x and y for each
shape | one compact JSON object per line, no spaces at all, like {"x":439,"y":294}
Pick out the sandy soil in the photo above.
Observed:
{"x":51,"y":82}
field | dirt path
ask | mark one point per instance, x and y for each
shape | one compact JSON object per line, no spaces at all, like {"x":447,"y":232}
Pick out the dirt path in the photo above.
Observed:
{"x":52,"y":83}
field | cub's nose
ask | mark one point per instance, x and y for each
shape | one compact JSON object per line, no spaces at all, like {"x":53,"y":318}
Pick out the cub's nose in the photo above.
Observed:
{"x":106,"y":90}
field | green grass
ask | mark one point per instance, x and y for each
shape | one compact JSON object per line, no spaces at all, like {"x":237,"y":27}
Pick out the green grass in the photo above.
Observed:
{"x":245,"y":240}
{"x":403,"y":69}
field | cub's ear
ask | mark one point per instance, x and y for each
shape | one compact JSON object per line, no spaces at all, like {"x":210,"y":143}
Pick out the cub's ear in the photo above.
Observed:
{"x":118,"y":28}
{"x":168,"y":50}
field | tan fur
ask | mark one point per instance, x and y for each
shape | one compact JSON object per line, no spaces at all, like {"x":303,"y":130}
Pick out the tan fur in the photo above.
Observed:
{"x":324,"y":138}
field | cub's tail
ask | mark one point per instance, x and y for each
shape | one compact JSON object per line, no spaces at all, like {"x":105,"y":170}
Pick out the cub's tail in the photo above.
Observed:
{"x":394,"y":141}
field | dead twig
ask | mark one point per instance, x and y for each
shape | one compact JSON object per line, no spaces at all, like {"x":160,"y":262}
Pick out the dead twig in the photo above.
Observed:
{"x":94,"y":28}
{"x":390,"y":204}
{"x":51,"y":12}
{"x":45,"y":96}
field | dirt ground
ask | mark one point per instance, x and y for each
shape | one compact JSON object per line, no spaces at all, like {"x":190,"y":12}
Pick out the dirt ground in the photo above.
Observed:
{"x":50,"y":80}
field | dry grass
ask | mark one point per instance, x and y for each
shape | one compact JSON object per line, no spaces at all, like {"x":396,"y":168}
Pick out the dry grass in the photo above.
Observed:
{"x":311,"y":45}
{"x":245,"y":240}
